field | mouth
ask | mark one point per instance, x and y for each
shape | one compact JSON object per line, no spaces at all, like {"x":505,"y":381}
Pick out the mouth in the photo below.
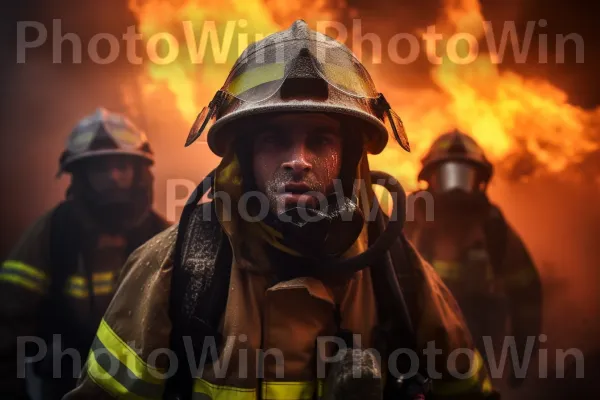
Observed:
{"x":296,"y":188}
{"x":297,"y":194}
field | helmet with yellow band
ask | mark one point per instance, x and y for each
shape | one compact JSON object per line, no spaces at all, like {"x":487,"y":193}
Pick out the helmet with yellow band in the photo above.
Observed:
{"x":298,"y":70}
{"x":104,"y":133}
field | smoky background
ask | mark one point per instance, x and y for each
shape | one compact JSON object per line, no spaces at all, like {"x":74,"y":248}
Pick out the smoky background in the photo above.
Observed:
{"x":559,"y":219}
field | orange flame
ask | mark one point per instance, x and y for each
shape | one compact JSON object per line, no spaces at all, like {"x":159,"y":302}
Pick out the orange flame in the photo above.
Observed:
{"x":506,"y":113}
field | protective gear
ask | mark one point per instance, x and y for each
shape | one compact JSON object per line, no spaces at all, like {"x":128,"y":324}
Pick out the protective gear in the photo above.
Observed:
{"x":104,"y":133}
{"x":486,"y":266}
{"x":456,"y":162}
{"x":96,"y":137}
{"x":218,"y":275}
{"x":114,"y":209}
{"x":298,"y":70}
{"x":59,"y":280}
{"x":254,"y":313}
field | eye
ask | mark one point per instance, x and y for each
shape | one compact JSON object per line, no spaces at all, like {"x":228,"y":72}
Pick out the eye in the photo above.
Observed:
{"x":324,"y":139}
{"x":270,"y":137}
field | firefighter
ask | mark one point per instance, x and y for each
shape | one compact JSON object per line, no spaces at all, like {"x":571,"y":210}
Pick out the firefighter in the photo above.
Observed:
{"x":479,"y":256}
{"x":61,"y":275}
{"x":235,"y":301}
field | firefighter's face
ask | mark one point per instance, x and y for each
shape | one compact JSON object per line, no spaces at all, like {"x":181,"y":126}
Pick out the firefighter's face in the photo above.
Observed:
{"x":295,"y":154}
{"x":111,"y":173}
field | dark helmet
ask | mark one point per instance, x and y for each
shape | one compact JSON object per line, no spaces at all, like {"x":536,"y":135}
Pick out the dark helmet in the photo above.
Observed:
{"x":299,"y":70}
{"x":104,"y":133}
{"x":456,"y":161}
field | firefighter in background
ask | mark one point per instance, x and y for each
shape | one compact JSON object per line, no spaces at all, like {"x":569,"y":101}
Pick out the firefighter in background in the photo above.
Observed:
{"x":61,"y":275}
{"x":474,"y":250}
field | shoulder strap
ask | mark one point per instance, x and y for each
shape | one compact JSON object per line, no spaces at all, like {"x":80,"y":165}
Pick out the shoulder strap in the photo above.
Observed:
{"x":65,"y":245}
{"x":199,"y":286}
{"x":496,"y":237}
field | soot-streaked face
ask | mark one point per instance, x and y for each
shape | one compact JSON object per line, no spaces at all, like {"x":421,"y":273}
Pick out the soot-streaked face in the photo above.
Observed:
{"x":295,"y":154}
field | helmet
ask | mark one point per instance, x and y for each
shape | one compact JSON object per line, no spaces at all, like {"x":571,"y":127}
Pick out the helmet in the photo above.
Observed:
{"x":298,"y":70}
{"x":104,"y":133}
{"x":455,"y":161}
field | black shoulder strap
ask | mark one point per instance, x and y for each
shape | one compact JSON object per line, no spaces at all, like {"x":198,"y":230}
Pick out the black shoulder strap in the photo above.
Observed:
{"x":199,"y":287}
{"x":496,"y":235}
{"x":65,"y":245}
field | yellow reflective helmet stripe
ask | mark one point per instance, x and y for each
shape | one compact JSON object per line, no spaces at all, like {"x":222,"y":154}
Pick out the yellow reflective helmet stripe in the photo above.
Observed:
{"x":270,"y":390}
{"x":478,"y":380}
{"x":117,"y":368}
{"x":255,"y":77}
{"x":21,"y":274}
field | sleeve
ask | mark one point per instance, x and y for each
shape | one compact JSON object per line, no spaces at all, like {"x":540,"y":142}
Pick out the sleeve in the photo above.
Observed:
{"x":24,"y":281}
{"x":522,"y":283}
{"x":130,"y":356}
{"x":456,"y":368}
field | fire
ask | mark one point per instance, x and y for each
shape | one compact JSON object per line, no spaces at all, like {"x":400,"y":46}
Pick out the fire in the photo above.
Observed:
{"x":510,"y":116}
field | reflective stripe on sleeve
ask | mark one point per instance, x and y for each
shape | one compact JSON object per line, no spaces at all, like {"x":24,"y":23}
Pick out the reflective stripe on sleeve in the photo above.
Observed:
{"x":21,"y":274}
{"x":115,"y":367}
{"x":477,"y":381}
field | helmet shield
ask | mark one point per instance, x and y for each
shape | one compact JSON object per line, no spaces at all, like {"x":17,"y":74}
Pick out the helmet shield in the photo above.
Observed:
{"x":452,"y":175}
{"x":260,"y":80}
{"x":260,"y":75}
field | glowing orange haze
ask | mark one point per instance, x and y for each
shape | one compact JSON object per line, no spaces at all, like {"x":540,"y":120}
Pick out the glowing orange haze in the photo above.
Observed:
{"x":510,"y":116}
{"x":506,"y":113}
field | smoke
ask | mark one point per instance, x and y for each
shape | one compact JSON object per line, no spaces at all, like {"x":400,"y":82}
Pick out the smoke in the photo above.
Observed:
{"x":557,"y":216}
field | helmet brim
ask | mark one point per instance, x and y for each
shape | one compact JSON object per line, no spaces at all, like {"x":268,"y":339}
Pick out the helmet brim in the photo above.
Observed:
{"x":72,"y":160}
{"x":219,"y":137}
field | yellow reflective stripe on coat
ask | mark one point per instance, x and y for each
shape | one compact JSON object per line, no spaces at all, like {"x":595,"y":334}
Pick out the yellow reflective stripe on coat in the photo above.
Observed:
{"x":118,"y":369}
{"x":21,"y":274}
{"x":288,"y":390}
{"x":204,"y":390}
{"x":477,"y":381}
{"x":447,"y":269}
{"x":103,"y":283}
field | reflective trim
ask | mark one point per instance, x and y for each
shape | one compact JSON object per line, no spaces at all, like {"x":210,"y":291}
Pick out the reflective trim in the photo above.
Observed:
{"x":447,"y":269}
{"x":21,"y":274}
{"x":288,"y":390}
{"x":255,"y":77}
{"x":476,"y":382}
{"x":270,"y":390}
{"x":77,"y":285}
{"x":112,"y":375}
{"x":204,"y":390}
{"x":127,"y":356}
{"x":26,"y":269}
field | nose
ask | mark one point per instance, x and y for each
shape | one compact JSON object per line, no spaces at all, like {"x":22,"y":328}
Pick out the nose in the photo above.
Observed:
{"x":298,"y":163}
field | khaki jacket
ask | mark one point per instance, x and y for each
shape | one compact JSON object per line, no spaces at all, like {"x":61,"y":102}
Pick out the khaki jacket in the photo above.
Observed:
{"x":277,"y":323}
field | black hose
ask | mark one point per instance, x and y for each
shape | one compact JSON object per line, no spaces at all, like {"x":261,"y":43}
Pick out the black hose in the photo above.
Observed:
{"x":385,"y":240}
